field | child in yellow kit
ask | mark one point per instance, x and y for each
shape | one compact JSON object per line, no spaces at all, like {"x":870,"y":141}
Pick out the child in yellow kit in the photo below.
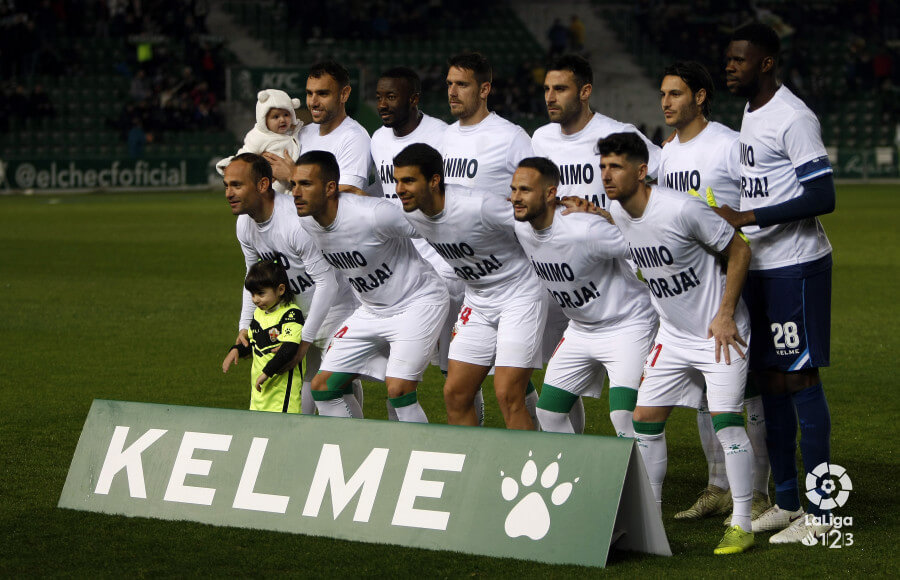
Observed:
{"x":274,"y":341}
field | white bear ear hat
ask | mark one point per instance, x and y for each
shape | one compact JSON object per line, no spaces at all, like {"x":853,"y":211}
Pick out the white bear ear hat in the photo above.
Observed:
{"x":268,"y":99}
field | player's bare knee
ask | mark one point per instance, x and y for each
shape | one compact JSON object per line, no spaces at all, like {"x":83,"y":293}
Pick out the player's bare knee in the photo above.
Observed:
{"x":799,"y":380}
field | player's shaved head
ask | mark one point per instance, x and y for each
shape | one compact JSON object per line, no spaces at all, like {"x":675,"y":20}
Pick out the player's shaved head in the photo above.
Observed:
{"x":548,"y":170}
{"x":405,"y":74}
{"x":475,"y":62}
{"x":577,"y":65}
{"x":761,"y":36}
{"x":625,"y":144}
{"x":329,"y":170}
{"x":696,"y":77}
{"x":259,"y":167}
{"x":423,"y":156}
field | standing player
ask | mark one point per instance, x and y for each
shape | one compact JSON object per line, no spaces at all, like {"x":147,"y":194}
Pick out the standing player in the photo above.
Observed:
{"x":502,"y":319}
{"x":704,"y":156}
{"x":397,"y":98}
{"x":786,"y":181}
{"x":677,"y":241}
{"x":268,"y":229}
{"x":580,"y":260}
{"x":327,"y":92}
{"x":393,"y":333}
{"x":570,"y":139}
{"x":481,"y":149}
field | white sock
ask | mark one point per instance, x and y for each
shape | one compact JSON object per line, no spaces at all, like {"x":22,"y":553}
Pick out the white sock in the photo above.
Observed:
{"x":358,"y":392}
{"x":479,"y":406}
{"x":333,"y":408}
{"x":622,"y":422}
{"x":307,"y":403}
{"x":531,"y":400}
{"x":354,"y":406}
{"x":756,"y":431}
{"x":739,"y":465}
{"x":712,"y":449}
{"x":392,"y":412}
{"x":554,"y":422}
{"x":412,"y":413}
{"x":656,"y":460}
{"x":576,"y":417}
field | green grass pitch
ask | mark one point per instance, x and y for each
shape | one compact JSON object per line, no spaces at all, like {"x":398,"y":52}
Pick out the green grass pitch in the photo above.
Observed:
{"x":136,"y":297}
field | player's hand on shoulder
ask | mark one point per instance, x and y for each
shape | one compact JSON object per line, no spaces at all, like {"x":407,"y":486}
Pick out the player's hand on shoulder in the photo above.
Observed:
{"x":724,"y":329}
{"x":573,"y":204}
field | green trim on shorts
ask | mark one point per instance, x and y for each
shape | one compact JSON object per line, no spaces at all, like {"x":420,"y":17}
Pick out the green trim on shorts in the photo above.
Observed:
{"x":327,"y":395}
{"x":341,"y":382}
{"x":530,"y":388}
{"x":622,"y":399}
{"x":723,"y":420}
{"x":647,"y":428}
{"x":556,"y":399}
{"x":403,"y":400}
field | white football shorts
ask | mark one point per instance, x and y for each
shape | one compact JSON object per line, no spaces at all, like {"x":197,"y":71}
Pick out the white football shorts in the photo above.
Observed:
{"x":674,"y":375}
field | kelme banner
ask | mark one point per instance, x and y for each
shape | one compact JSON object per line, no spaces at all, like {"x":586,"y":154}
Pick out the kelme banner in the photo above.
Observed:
{"x":533,"y":496}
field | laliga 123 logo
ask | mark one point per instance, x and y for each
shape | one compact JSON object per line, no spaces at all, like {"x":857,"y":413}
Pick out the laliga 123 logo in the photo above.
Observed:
{"x":530,"y":516}
{"x":822,"y":483}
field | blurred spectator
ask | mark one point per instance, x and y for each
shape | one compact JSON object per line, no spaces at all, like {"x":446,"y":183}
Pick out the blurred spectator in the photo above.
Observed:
{"x":576,"y":33}
{"x":558,"y":37}
{"x":137,"y":139}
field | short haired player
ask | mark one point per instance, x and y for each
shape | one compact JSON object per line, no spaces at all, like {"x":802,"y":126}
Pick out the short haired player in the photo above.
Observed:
{"x":580,"y":261}
{"x":392,"y":335}
{"x":502,"y":319}
{"x":679,"y":243}
{"x":786,"y":181}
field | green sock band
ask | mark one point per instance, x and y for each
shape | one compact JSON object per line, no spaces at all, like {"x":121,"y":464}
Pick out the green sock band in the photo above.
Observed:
{"x":530,"y":388}
{"x":622,"y":399}
{"x":649,"y":428}
{"x":555,"y":399}
{"x":723,"y":420}
{"x":403,"y":400}
{"x":326,"y":395}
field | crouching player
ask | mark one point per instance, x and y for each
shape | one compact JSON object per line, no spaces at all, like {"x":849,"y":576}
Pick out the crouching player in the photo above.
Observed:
{"x":274,"y":336}
{"x":676,"y":240}
{"x":580,"y":260}
{"x":392,"y":335}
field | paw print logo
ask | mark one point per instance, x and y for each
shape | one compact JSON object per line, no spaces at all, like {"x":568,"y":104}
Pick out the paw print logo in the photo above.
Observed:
{"x":754,"y":418}
{"x":530,"y":516}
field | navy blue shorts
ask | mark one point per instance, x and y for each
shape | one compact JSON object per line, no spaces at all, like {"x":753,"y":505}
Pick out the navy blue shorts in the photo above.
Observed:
{"x":790,"y":316}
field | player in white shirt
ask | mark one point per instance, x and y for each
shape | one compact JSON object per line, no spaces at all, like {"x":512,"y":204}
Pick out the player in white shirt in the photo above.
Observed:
{"x":677,"y":241}
{"x":502,"y":318}
{"x":403,"y":302}
{"x":786,"y":181}
{"x":327,"y":92}
{"x":397,"y":99}
{"x":580,"y":260}
{"x":481,"y":149}
{"x":570,"y":138}
{"x":703,"y":157}
{"x":268,"y":229}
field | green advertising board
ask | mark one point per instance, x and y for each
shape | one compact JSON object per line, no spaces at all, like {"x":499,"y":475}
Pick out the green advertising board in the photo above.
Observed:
{"x":532,"y":496}
{"x":111,"y":173}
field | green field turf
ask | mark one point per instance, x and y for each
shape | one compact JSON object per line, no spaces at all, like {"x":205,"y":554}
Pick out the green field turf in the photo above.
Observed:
{"x":136,"y":297}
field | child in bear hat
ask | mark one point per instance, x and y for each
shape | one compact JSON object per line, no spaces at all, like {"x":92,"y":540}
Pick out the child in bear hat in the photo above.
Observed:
{"x":275,"y":131}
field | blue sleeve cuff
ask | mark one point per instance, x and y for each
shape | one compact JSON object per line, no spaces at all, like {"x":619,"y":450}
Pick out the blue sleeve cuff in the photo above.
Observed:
{"x":814,"y":169}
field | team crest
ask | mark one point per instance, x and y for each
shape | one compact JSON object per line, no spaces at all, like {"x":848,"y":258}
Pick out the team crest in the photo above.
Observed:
{"x":274,"y":334}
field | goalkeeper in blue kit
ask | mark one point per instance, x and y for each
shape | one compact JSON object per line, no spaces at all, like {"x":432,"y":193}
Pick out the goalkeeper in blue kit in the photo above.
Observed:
{"x":274,"y":335}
